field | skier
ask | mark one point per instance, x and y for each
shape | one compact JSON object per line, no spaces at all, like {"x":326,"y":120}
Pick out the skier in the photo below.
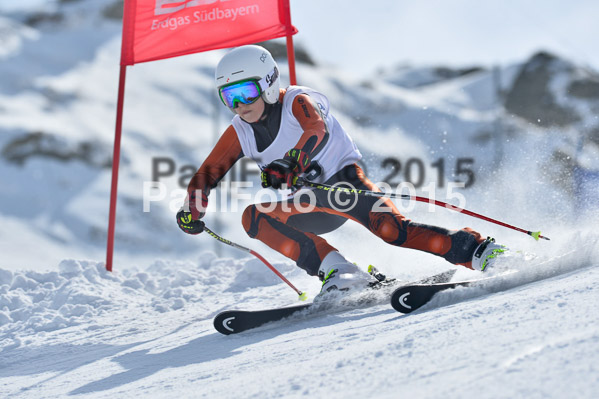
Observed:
{"x":290,"y":132}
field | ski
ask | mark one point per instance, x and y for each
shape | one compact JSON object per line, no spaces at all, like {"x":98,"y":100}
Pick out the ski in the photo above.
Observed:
{"x":236,"y":321}
{"x":409,"y":298}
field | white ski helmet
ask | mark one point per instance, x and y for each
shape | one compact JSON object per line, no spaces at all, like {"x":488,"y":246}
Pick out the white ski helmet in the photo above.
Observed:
{"x":250,"y":62}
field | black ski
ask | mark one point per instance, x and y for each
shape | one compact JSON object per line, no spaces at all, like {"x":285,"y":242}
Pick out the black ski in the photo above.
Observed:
{"x":411,"y":297}
{"x":236,"y":321}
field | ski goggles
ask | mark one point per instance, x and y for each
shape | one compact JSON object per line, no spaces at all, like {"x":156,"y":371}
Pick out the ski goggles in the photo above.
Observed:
{"x":246,"y":91}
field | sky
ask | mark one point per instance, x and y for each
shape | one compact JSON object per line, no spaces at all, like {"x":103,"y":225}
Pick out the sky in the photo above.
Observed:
{"x":360,"y":37}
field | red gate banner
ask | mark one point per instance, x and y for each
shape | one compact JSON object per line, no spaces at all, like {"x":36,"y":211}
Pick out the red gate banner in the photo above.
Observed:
{"x":157,"y":29}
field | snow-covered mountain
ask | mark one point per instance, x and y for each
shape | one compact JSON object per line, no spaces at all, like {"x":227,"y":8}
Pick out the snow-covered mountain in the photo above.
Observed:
{"x":524,"y":138}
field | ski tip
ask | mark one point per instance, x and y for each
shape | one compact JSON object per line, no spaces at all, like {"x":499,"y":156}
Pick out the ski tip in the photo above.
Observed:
{"x":303,"y":296}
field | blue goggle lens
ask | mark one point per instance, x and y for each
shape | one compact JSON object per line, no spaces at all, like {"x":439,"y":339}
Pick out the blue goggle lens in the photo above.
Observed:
{"x":246,"y":92}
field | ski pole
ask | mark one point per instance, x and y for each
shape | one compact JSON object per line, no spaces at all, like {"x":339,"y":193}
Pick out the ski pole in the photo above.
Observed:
{"x":303,"y":182}
{"x":302,"y":295}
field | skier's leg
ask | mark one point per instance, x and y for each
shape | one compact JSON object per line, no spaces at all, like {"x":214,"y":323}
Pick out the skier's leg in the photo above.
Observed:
{"x":455,"y":246}
{"x":316,"y":222}
{"x":291,"y":232}
{"x":383,"y":218}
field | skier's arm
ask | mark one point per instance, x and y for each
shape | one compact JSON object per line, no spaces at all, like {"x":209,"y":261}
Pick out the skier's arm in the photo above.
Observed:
{"x":312,"y":141}
{"x":222,"y":157}
{"x":315,"y":134}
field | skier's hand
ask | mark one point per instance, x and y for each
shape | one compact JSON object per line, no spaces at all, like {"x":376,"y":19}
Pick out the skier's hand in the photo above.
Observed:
{"x":188,"y":224}
{"x":279,"y":172}
{"x":188,"y":217}
{"x":285,"y":170}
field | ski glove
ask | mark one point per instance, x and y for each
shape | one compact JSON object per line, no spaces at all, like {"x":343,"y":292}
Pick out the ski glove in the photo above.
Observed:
{"x":188,"y":224}
{"x":188,"y":217}
{"x":285,"y":170}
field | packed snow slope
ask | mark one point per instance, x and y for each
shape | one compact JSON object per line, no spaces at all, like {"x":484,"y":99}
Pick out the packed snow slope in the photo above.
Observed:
{"x":517,"y":136}
{"x":81,"y":331}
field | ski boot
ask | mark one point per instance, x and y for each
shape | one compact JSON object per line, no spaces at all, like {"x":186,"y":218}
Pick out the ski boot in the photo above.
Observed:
{"x":337,"y":273}
{"x":486,"y":254}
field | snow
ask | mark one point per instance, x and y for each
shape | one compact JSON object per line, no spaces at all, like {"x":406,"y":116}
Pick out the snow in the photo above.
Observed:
{"x":82,"y":330}
{"x":69,"y":327}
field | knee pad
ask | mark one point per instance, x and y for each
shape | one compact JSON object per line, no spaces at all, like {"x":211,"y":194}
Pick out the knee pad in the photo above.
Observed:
{"x":249,"y":220}
{"x":389,"y":227}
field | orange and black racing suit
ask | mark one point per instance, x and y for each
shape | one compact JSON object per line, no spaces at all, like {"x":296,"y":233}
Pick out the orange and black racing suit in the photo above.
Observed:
{"x":296,"y":234}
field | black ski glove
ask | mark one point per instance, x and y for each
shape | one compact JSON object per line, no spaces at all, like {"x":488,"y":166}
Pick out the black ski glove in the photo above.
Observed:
{"x":188,"y":224}
{"x":189,"y":221}
{"x":279,"y":172}
{"x":285,"y":170}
